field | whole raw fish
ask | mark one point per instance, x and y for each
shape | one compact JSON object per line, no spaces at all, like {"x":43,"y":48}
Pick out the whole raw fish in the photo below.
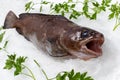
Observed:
{"x":57,"y":35}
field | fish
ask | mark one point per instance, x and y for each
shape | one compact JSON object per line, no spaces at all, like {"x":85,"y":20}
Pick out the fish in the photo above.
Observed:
{"x":56,"y":35}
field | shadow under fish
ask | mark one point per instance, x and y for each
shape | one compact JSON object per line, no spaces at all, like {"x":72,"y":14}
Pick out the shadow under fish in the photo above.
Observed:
{"x":57,"y":35}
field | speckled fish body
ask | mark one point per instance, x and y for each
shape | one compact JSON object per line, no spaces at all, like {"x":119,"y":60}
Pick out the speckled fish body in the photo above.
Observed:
{"x":57,"y":35}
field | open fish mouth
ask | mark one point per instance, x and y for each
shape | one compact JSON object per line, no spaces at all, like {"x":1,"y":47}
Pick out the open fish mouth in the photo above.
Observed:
{"x":93,"y":47}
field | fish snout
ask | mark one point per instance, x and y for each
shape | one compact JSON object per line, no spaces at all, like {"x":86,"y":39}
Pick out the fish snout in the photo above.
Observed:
{"x":100,"y":38}
{"x":99,"y":35}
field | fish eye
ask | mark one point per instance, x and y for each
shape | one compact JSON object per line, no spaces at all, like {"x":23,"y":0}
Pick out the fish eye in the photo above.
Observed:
{"x":84,"y":34}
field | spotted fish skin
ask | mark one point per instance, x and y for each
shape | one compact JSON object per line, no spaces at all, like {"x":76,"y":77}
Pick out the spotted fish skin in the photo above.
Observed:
{"x":56,"y":35}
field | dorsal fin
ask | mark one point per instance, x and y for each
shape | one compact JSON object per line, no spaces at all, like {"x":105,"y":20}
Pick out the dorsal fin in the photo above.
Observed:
{"x":45,"y":16}
{"x":10,"y":20}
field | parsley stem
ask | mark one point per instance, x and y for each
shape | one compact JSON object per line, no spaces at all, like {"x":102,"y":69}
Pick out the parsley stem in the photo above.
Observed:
{"x":45,"y":74}
{"x":76,"y":2}
{"x":52,"y":78}
{"x":36,"y":3}
{"x":5,"y":50}
{"x":32,"y":75}
{"x":26,"y":75}
{"x":41,"y":70}
{"x":116,"y":25}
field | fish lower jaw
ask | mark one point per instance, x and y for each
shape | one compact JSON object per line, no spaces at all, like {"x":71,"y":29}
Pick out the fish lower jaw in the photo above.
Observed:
{"x":86,"y":50}
{"x":82,"y":55}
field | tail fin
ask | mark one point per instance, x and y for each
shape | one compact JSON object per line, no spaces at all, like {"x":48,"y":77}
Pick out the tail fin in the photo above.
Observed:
{"x":10,"y":20}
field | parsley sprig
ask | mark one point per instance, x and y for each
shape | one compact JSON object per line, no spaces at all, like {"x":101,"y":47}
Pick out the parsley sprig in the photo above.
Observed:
{"x":92,"y":12}
{"x":18,"y":64}
{"x":2,"y":34}
{"x":73,"y":76}
{"x":65,"y":75}
{"x":69,"y":8}
{"x":90,"y":9}
{"x":13,"y":62}
{"x":29,"y":6}
{"x":115,"y":13}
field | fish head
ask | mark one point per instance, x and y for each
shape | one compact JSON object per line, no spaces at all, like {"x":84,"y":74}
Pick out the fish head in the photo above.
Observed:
{"x":83,"y":42}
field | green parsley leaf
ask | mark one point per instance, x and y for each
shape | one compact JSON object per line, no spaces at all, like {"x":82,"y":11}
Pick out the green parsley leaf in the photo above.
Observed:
{"x":1,"y":28}
{"x":41,"y":8}
{"x":1,"y":36}
{"x":70,"y":1}
{"x":6,"y":42}
{"x":0,"y":48}
{"x":44,"y":2}
{"x":29,"y":6}
{"x":72,"y":6}
{"x":13,"y":62}
{"x":111,"y":15}
{"x":73,"y":76}
{"x":94,"y":16}
{"x":10,"y":62}
{"x":96,"y":4}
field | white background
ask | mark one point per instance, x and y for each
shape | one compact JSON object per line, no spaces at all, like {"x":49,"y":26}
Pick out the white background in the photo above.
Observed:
{"x":106,"y":67}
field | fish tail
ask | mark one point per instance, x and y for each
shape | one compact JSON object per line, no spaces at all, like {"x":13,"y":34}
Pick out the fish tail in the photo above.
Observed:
{"x":10,"y":20}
